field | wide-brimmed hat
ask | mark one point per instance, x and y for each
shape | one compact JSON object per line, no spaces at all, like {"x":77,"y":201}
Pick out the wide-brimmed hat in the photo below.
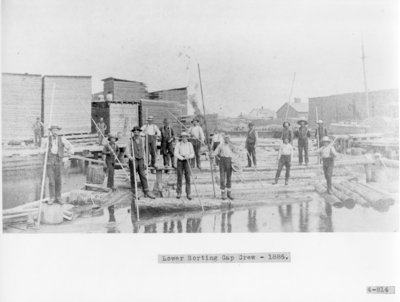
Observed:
{"x":285,"y":122}
{"x":136,"y":128}
{"x":251,"y":124}
{"x":320,"y":122}
{"x":326,"y":139}
{"x":196,"y":119}
{"x":166,"y":120}
{"x":52,"y":127}
{"x":184,"y":134}
{"x":110,"y":136}
{"x":150,"y":118}
{"x":302,"y":120}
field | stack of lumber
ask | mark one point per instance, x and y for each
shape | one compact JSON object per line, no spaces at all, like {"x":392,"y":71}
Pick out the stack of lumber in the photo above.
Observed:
{"x":122,"y":118}
{"x":72,"y":101}
{"x":21,"y":105}
{"x":162,"y":109}
{"x":124,"y":90}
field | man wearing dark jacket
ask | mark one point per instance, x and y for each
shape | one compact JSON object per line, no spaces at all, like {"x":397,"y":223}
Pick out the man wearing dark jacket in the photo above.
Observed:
{"x":287,"y":133}
{"x":303,"y":135}
{"x":167,"y":138}
{"x":251,"y":143}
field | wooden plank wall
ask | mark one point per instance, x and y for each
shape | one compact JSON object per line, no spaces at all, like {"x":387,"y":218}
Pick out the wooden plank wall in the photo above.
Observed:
{"x":21,"y":105}
{"x":123,"y":117}
{"x":158,"y":109}
{"x":72,"y":102}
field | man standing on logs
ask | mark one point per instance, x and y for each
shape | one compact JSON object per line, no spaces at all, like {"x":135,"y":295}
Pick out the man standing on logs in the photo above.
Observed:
{"x":152,"y":132}
{"x":101,"y":130}
{"x":37,"y":132}
{"x":327,"y":153}
{"x":287,"y":133}
{"x":167,"y":138}
{"x":303,"y":135}
{"x":110,"y":154}
{"x":198,"y":139}
{"x":224,"y":153}
{"x":320,"y":132}
{"x":137,"y":155}
{"x":285,"y":155}
{"x":183,"y":153}
{"x":251,"y":143}
{"x":57,"y":147}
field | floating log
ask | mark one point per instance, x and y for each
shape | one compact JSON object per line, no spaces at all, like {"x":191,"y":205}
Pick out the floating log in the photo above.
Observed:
{"x":331,"y":199}
{"x":356,"y":197}
{"x":377,"y":200}
{"x":87,"y":159}
{"x":347,"y":201}
{"x":96,"y":188}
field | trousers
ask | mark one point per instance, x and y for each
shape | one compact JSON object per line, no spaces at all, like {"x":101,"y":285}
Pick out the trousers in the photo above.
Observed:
{"x":183,"y":168}
{"x":251,"y":155}
{"x":54,"y":164}
{"x":327,"y":166}
{"x":225,"y":172}
{"x":139,"y":165}
{"x":283,"y":161}
{"x":196,"y":147}
{"x":152,"y":145}
{"x":303,"y":147}
{"x":38,"y":138}
{"x":168,"y":153}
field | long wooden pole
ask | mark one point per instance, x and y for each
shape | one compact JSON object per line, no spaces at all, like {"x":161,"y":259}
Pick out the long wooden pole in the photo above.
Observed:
{"x":46,"y":157}
{"x":290,"y":96}
{"x":205,"y":124}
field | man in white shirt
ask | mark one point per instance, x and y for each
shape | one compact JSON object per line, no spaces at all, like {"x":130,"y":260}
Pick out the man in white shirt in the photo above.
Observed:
{"x":183,"y":153}
{"x":57,"y":145}
{"x":152,"y":132}
{"x":224,"y":153}
{"x":285,"y":155}
{"x":198,"y":139}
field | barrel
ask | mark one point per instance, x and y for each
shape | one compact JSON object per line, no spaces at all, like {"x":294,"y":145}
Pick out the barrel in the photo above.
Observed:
{"x":95,"y":174}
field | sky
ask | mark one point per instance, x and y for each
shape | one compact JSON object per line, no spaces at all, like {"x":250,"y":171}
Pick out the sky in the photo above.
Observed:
{"x":248,"y":51}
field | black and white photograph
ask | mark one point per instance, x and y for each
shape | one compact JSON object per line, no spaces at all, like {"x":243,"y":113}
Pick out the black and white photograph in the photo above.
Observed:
{"x":132,"y":117}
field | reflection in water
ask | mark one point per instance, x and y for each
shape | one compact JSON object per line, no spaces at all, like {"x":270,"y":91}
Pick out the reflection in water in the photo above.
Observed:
{"x":150,"y":228}
{"x":226,"y":220}
{"x":252,"y":221}
{"x":325,"y":219}
{"x":304,"y":217}
{"x":193,"y":225}
{"x":286,"y":217}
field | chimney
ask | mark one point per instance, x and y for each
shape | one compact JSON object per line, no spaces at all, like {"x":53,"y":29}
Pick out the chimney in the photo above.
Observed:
{"x":297,"y":100}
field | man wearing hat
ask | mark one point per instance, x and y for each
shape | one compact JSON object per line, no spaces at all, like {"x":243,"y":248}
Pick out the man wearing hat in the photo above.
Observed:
{"x":37,"y":131}
{"x":198,"y":139}
{"x":303,"y":134}
{"x":224,"y":152}
{"x":152,"y":132}
{"x":251,"y":143}
{"x":183,"y":152}
{"x":57,"y":147}
{"x":167,"y":138}
{"x":110,"y":155}
{"x":328,"y":154}
{"x":101,"y":130}
{"x":135,"y":152}
{"x":320,"y":132}
{"x":287,"y":133}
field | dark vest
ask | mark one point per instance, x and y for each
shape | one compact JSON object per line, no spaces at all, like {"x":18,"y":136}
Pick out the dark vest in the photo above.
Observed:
{"x":251,"y":137}
{"x":60,"y":147}
{"x":138,"y":149}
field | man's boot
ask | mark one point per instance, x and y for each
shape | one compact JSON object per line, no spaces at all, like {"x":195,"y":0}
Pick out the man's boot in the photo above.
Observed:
{"x":189,"y":197}
{"x":229,"y":193}
{"x":178,"y":195}
{"x":223,"y":195}
{"x":148,"y":194}
{"x":286,"y":182}
{"x":275,"y":181}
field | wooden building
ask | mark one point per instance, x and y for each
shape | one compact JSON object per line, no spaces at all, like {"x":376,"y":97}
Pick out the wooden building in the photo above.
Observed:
{"x":72,"y":102}
{"x":296,"y":110}
{"x":124,"y":90}
{"x":179,"y":95}
{"x":351,"y":107}
{"x":21,"y":104}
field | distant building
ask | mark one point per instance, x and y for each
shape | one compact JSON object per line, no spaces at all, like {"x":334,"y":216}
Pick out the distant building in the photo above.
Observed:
{"x":297,"y":109}
{"x":120,"y":90}
{"x":351,"y":107}
{"x":179,"y":95}
{"x":260,"y":113}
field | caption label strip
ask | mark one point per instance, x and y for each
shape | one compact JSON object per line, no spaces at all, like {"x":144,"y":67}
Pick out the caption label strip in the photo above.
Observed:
{"x":225,"y":258}
{"x":391,"y":290}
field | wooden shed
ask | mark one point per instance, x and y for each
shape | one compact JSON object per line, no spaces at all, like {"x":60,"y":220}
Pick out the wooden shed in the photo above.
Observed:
{"x":21,"y":105}
{"x":72,"y":101}
{"x":120,"y":117}
{"x":124,"y":90}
